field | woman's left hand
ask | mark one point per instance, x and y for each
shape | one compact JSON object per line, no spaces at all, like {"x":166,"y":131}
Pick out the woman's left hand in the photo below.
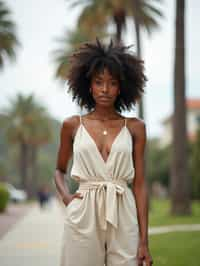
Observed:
{"x":143,"y":255}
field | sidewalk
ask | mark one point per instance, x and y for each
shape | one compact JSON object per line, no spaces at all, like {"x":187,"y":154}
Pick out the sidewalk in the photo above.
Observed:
{"x":35,"y":239}
{"x":12,"y":215}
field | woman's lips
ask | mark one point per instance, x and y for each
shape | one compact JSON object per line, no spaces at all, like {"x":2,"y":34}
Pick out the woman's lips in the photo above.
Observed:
{"x":104,"y":98}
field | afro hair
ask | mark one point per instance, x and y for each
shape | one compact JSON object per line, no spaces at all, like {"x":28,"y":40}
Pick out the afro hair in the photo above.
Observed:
{"x":91,"y":58}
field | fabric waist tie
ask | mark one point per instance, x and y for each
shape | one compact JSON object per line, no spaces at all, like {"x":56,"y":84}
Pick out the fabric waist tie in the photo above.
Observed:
{"x":106,"y":196}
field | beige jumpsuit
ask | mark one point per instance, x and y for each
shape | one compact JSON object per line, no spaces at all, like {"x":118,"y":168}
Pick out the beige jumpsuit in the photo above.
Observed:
{"x":102,"y":227}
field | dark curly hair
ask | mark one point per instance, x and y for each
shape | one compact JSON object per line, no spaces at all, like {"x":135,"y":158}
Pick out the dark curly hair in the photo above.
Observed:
{"x":92,"y":58}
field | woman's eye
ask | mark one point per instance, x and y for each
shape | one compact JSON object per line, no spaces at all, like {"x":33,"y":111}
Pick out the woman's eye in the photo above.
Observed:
{"x":114,"y":83}
{"x":98,"y":82}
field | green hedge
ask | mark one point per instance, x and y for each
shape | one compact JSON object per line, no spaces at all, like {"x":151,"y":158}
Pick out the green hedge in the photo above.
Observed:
{"x":4,"y":197}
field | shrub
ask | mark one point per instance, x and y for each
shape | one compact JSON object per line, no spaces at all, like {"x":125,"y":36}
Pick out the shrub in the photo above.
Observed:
{"x":4,"y":197}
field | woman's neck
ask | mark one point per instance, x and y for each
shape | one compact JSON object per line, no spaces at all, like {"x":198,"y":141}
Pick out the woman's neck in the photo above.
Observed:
{"x":105,"y":113}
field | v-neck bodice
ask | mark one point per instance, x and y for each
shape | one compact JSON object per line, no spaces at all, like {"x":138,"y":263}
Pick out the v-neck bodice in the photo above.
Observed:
{"x":88,"y":163}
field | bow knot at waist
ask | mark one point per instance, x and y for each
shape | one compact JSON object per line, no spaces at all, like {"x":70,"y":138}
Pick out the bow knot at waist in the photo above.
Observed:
{"x":106,"y":199}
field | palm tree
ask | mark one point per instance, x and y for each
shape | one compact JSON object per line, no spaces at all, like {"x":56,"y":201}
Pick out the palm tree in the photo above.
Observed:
{"x":103,"y":13}
{"x":180,"y":181}
{"x":41,"y":128}
{"x":26,"y":124}
{"x":100,"y":14}
{"x":18,"y":131}
{"x":8,"y":39}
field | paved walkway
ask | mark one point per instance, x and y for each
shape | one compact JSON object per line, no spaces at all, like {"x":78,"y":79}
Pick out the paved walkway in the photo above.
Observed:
{"x":35,"y":240}
{"x":13,"y":213}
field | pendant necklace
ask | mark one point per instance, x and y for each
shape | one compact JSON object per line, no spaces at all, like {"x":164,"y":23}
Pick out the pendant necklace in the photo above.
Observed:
{"x":105,"y":132}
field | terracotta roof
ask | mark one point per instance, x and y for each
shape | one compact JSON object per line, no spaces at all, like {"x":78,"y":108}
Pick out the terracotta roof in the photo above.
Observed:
{"x":193,"y":103}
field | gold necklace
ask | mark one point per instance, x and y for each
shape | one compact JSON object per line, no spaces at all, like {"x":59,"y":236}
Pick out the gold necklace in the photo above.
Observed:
{"x":105,"y":132}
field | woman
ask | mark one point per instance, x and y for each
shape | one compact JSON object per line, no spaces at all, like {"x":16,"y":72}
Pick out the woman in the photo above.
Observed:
{"x":105,"y":220}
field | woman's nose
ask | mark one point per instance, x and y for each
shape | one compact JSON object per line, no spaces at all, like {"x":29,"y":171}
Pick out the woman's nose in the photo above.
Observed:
{"x":105,"y":87}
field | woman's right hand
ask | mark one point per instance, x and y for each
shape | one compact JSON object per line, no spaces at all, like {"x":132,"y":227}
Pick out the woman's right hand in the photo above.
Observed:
{"x":68,"y":198}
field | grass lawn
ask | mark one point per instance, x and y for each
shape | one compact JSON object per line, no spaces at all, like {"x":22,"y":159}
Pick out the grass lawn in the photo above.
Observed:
{"x":175,"y":249}
{"x":159,"y":214}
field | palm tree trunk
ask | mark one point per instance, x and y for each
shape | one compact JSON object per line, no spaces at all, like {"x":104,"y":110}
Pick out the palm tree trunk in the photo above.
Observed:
{"x":34,"y":170}
{"x":135,"y":5}
{"x":118,"y":33}
{"x":119,"y":20}
{"x":180,"y":181}
{"x":138,"y":41}
{"x":23,"y":165}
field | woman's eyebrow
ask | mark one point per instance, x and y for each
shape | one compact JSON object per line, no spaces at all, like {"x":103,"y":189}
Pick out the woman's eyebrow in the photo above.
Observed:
{"x":101,"y":77}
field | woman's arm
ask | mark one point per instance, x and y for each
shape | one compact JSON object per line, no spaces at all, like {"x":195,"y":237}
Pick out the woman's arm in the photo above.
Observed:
{"x":140,"y":190}
{"x":64,"y":154}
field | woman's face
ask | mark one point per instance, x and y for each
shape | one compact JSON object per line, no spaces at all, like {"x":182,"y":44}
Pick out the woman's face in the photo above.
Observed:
{"x":105,"y":88}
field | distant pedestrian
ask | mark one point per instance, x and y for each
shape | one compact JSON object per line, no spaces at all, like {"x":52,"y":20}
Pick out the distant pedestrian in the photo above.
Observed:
{"x":43,"y":196}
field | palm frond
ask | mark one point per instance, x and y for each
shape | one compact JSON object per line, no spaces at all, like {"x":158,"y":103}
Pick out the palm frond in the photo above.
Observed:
{"x":8,"y":38}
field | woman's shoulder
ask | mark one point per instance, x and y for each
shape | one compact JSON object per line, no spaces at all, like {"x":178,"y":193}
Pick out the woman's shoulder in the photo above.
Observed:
{"x":70,"y":123}
{"x":135,"y":121}
{"x":136,"y":125}
{"x":70,"y":120}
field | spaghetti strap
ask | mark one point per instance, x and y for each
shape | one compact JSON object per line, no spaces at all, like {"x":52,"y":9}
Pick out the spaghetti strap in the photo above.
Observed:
{"x":80,"y":119}
{"x":125,"y":122}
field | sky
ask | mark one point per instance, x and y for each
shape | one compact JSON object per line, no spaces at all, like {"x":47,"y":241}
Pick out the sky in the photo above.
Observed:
{"x":40,"y":23}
